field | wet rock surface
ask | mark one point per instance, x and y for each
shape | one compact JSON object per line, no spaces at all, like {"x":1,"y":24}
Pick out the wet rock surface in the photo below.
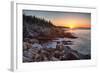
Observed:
{"x":39,"y":54}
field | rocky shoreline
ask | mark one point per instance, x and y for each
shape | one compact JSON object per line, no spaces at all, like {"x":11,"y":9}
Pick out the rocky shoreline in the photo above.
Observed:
{"x":36,"y":53}
{"x":38,"y":31}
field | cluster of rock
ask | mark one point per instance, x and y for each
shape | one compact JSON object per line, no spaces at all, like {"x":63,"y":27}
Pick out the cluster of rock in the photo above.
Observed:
{"x":34,"y":52}
{"x":57,"y":54}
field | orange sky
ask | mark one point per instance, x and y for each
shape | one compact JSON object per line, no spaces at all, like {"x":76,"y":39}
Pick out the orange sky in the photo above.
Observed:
{"x":66,"y":19}
{"x":72,"y":22}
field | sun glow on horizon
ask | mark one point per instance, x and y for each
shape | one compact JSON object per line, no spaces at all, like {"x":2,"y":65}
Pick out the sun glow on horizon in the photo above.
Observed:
{"x":73,"y":23}
{"x":64,"y":19}
{"x":71,"y":26}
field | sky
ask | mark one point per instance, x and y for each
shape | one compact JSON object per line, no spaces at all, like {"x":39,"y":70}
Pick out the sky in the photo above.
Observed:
{"x":66,"y":19}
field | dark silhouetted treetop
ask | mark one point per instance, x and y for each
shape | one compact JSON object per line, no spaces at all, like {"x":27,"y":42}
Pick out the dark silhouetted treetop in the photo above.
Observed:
{"x":33,"y":20}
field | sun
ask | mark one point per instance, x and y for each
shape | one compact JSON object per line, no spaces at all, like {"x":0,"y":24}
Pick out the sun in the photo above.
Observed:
{"x":71,"y":26}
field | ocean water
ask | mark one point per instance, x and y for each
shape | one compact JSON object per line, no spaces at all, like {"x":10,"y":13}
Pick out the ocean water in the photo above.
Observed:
{"x":82,"y":44}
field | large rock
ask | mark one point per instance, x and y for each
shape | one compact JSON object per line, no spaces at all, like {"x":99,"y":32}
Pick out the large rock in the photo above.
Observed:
{"x":26,"y":45}
{"x":34,"y":41}
{"x":26,"y":59}
{"x":36,"y":45}
{"x":30,"y":55}
{"x":54,"y":59}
